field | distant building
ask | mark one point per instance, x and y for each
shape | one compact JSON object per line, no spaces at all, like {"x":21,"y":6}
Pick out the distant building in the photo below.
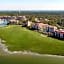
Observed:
{"x":42,"y":27}
{"x":51,"y":28}
{"x":46,"y":19}
{"x":37,"y":20}
{"x":24,"y":18}
{"x":59,"y":33}
{"x":14,"y":21}
{"x":39,"y":26}
{"x":29,"y":23}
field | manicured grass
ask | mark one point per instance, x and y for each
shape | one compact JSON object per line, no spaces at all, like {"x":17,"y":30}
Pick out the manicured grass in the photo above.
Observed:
{"x":19,"y":38}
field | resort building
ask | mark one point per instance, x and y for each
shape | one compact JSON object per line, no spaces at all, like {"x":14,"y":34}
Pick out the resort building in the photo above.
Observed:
{"x":59,"y":33}
{"x":42,"y":27}
{"x":51,"y":28}
{"x":29,"y":23}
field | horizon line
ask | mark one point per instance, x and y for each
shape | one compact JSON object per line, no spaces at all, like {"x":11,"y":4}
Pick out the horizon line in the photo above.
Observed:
{"x":31,"y":10}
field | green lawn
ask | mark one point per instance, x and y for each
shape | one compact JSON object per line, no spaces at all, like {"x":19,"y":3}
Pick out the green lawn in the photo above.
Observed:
{"x":18,"y":38}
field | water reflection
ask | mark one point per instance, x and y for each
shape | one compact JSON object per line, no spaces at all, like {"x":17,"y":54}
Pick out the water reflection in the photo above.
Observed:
{"x":3,"y":22}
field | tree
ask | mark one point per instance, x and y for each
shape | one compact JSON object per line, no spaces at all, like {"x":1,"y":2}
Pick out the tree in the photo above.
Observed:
{"x":52,"y":22}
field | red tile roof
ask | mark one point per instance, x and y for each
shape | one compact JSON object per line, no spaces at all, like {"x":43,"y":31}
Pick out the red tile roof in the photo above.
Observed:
{"x":60,"y":31}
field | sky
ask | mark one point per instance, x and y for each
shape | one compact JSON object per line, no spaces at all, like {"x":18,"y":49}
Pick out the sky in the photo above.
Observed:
{"x":31,"y":4}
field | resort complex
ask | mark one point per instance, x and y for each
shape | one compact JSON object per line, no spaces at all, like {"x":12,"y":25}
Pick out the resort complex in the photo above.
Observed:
{"x":37,"y":24}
